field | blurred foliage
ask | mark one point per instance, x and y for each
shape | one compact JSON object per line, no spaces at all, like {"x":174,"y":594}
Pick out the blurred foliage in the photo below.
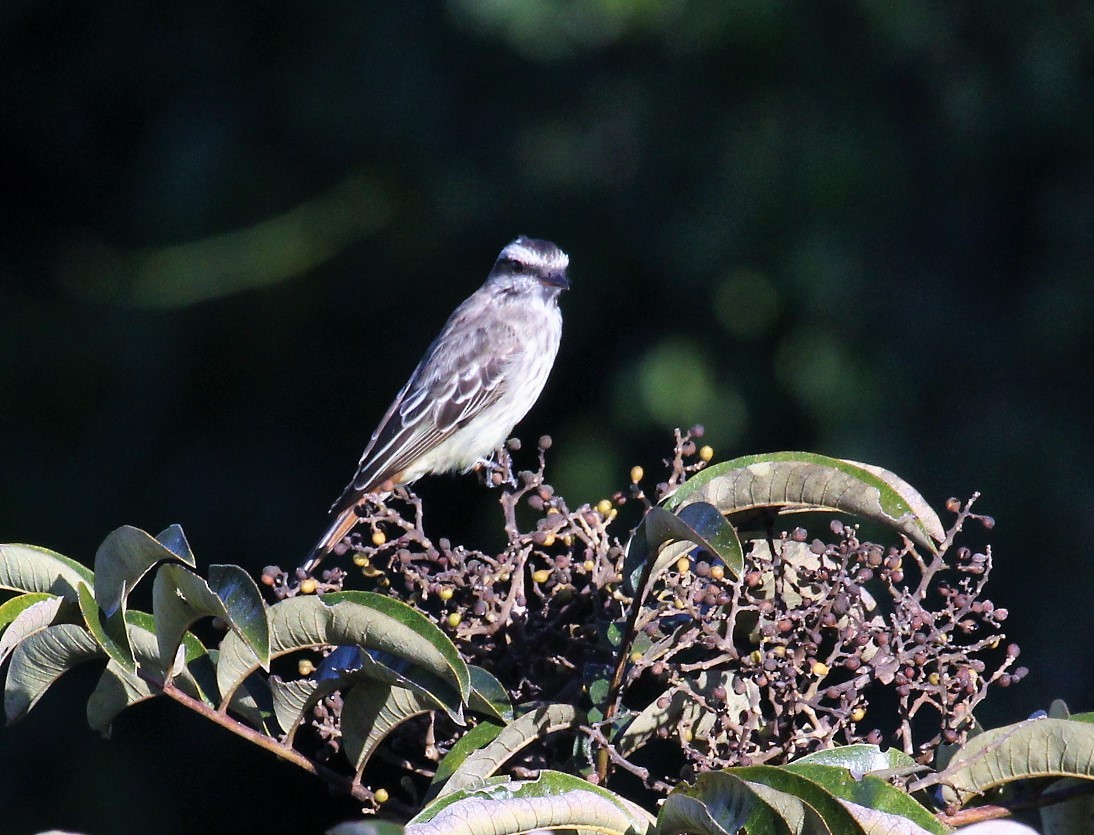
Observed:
{"x":864,"y":227}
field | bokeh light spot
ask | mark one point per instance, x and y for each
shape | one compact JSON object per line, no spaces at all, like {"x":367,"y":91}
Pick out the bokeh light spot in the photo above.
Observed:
{"x":746,"y":304}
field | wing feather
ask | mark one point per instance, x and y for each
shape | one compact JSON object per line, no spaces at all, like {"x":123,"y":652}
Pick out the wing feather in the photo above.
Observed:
{"x":462,"y":374}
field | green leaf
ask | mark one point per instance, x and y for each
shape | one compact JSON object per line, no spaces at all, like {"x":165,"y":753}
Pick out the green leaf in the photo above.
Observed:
{"x":1071,"y":817}
{"x":368,"y":620}
{"x":1059,"y":710}
{"x":123,"y":558}
{"x":836,"y":817}
{"x":28,"y":568}
{"x":875,"y":822}
{"x":109,"y":632}
{"x":174,"y":540}
{"x":870,"y":792}
{"x":517,"y":735}
{"x":488,"y":697}
{"x":722,"y":804}
{"x":478,"y":737}
{"x":31,"y":613}
{"x":698,"y":523}
{"x":292,"y":699}
{"x":370,"y":711}
{"x":803,"y":481}
{"x":440,"y":694}
{"x":430,"y":693}
{"x":181,"y":597}
{"x":404,"y":623}
{"x":253,"y":702}
{"x":861,"y":759}
{"x":598,"y":681}
{"x":1034,"y":748}
{"x":118,"y":687}
{"x":244,"y":607}
{"x":11,"y":609}
{"x":552,"y":801}
{"x":40,"y":660}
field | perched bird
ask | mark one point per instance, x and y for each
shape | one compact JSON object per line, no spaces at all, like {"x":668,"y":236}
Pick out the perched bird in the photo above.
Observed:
{"x":480,"y":376}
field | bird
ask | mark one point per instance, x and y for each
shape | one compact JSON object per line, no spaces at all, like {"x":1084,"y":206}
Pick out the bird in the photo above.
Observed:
{"x":477,"y":380}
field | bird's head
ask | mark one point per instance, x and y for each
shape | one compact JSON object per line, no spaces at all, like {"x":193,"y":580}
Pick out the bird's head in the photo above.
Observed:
{"x":528,"y":265}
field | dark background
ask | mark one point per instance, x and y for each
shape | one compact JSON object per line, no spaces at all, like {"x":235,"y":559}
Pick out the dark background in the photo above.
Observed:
{"x":230,"y":230}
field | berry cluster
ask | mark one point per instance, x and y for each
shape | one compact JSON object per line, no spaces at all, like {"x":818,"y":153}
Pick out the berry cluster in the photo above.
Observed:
{"x":817,"y":643}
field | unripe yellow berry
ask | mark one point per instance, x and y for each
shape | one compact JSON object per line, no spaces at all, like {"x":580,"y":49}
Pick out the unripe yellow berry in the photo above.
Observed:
{"x":779,"y":651}
{"x":683,"y":564}
{"x":820,"y":669}
{"x":380,"y":795}
{"x":445,"y":594}
{"x":934,"y":679}
{"x":706,"y":453}
{"x":717,"y":572}
{"x":858,"y":714}
{"x":305,"y":667}
{"x":548,"y":540}
{"x":378,"y":538}
{"x":604,"y":507}
{"x":308,"y":586}
{"x":541,"y":576}
{"x":360,"y":560}
{"x":454,"y":619}
{"x":588,"y":565}
{"x":636,"y":474}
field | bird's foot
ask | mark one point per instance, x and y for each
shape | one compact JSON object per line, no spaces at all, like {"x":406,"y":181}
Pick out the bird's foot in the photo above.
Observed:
{"x":498,"y":469}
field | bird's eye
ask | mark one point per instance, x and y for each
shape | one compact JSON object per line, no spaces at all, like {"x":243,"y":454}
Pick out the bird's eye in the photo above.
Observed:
{"x":516,"y":266}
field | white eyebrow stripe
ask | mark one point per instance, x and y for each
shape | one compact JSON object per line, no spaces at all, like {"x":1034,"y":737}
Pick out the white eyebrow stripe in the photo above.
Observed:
{"x":556,"y":260}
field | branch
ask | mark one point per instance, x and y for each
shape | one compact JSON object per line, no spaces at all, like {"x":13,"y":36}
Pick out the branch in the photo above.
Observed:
{"x":278,"y":749}
{"x":643,"y":774}
{"x":994,"y":812}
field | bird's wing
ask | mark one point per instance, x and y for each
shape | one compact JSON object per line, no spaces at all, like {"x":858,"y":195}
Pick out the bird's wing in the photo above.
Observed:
{"x":454,"y":382}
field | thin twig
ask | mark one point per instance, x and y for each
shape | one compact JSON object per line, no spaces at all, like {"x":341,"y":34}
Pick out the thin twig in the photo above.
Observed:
{"x":642,"y":774}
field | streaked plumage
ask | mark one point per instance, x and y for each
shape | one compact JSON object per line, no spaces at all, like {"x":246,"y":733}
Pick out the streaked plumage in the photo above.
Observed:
{"x":478,"y":378}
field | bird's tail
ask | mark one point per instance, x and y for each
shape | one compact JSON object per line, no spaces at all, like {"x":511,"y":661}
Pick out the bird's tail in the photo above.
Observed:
{"x":343,"y":523}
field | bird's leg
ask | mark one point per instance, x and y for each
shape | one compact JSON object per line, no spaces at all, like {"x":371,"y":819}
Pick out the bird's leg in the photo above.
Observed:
{"x":497,"y":469}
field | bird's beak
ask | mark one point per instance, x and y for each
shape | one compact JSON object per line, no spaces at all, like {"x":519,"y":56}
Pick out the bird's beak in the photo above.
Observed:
{"x":558,"y":279}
